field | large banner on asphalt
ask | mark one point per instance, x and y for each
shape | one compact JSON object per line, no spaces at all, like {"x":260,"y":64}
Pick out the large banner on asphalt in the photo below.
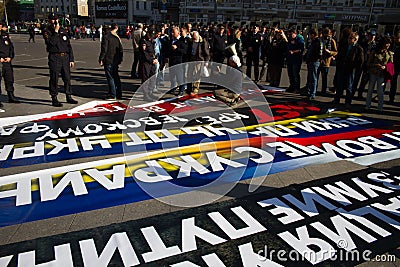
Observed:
{"x":165,"y":158}
{"x":337,"y":221}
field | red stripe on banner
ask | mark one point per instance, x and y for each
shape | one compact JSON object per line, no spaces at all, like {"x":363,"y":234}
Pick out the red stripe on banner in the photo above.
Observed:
{"x":318,"y":140}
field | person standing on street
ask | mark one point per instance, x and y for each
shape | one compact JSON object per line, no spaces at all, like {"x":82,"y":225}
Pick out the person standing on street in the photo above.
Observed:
{"x":219,"y":44}
{"x":61,"y":59}
{"x":313,"y":56}
{"x":7,"y":72}
{"x":329,"y":52}
{"x":111,"y":56}
{"x":137,"y":36}
{"x":294,"y":58}
{"x":350,"y":57}
{"x":31,"y":31}
{"x":148,"y":62}
{"x":177,"y":50}
{"x":253,"y":44}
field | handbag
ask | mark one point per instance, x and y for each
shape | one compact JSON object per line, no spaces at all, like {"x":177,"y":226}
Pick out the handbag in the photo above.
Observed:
{"x":389,"y":71}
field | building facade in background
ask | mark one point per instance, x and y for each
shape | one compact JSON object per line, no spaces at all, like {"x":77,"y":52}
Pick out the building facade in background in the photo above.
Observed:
{"x":283,"y":12}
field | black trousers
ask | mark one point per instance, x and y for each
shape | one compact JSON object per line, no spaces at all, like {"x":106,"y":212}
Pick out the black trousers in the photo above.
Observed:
{"x":59,"y":64}
{"x":252,"y":59}
{"x":135,"y":63}
{"x":7,"y":72}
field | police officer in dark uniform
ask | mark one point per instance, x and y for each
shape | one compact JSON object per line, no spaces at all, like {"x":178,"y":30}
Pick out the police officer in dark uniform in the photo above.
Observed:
{"x":148,"y":62}
{"x":61,"y":59}
{"x":253,"y":44}
{"x":6,"y":55}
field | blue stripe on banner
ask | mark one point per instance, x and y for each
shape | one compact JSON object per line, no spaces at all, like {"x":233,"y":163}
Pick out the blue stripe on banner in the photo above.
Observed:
{"x":184,"y":140}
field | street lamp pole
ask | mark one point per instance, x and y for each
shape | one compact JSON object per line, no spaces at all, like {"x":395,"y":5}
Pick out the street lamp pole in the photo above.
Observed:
{"x":5,"y":14}
{"x":215,"y":10}
{"x":370,"y":13}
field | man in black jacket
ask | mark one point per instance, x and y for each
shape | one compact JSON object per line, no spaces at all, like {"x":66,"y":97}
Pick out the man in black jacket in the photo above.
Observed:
{"x":350,"y":57}
{"x":253,"y":44}
{"x":6,"y":68}
{"x":61,"y":59}
{"x":110,"y":57}
{"x":219,"y":44}
{"x":178,"y":49}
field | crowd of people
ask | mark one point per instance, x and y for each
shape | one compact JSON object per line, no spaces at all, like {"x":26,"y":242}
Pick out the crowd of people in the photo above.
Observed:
{"x":361,"y":58}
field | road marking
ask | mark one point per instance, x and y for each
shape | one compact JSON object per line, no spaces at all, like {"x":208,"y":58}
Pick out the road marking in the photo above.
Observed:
{"x":26,"y":60}
{"x":33,"y":78}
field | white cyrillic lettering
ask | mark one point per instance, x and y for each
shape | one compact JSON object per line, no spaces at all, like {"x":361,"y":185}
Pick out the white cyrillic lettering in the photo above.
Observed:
{"x":152,"y":174}
{"x":136,"y":140}
{"x":37,"y":150}
{"x":291,"y":151}
{"x":369,"y":188}
{"x":212,"y":260}
{"x":62,"y":253}
{"x":118,"y":241}
{"x":87,"y":142}
{"x":310,"y":198}
{"x":189,"y":233}
{"x":336,"y":193}
{"x":48,"y":192}
{"x":265,"y":157}
{"x":58,"y":146}
{"x":216,"y":162}
{"x":22,"y":192}
{"x":253,"y":226}
{"x":165,"y":136}
{"x":281,"y":208}
{"x":342,"y":227}
{"x":186,"y":166}
{"x":76,"y":132}
{"x":157,"y":246}
{"x":304,"y":241}
{"x":5,"y":151}
{"x":117,"y":173}
{"x":197,"y":130}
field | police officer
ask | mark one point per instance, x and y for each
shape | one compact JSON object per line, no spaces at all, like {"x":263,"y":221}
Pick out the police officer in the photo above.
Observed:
{"x":6,"y":55}
{"x":253,"y":44}
{"x":61,"y":59}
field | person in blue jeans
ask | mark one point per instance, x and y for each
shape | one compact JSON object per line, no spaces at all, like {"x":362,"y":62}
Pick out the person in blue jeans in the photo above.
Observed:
{"x":313,"y":56}
{"x":294,"y":59}
{"x":110,"y":57}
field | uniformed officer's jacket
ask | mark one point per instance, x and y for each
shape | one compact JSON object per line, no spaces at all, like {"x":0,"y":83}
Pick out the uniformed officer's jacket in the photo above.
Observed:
{"x":6,"y":46}
{"x":111,"y":50}
{"x":254,"y":40}
{"x":58,"y":42}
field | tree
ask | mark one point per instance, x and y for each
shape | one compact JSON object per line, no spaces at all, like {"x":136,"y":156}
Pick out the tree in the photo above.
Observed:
{"x":13,"y":10}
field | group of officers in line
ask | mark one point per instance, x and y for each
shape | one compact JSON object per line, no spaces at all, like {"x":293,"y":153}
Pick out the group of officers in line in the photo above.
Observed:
{"x":60,"y":60}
